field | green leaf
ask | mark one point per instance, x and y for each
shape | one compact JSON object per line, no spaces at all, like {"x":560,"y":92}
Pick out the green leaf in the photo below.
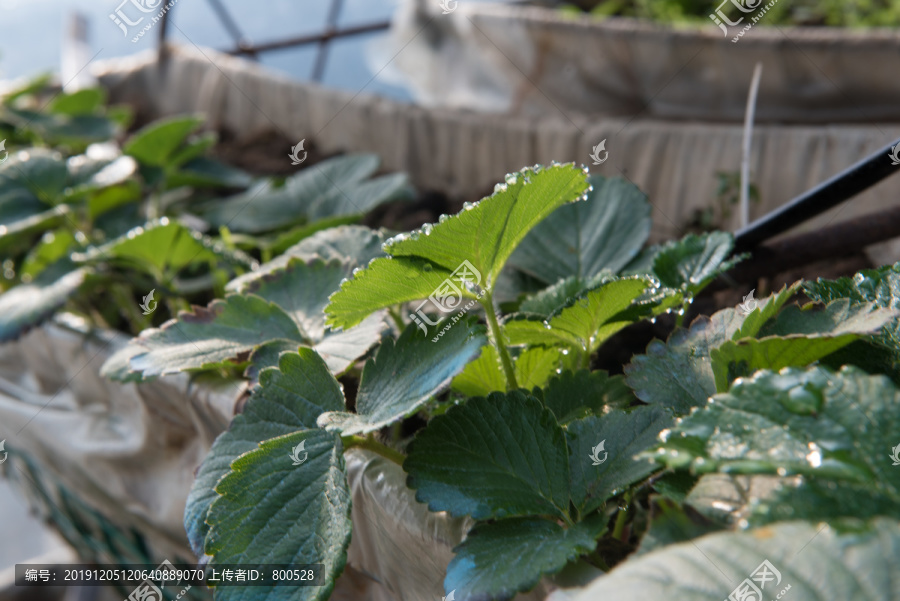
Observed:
{"x":499,"y":559}
{"x":205,"y":172}
{"x":301,"y":288}
{"x":277,"y":244}
{"x":33,"y":174}
{"x":387,"y":282}
{"x":801,"y":337}
{"x":54,"y":245}
{"x":472,"y":246}
{"x":880,"y":286}
{"x":815,"y":561}
{"x":272,"y":511}
{"x":353,"y":245}
{"x":500,"y":456}
{"x":836,"y":430}
{"x":27,"y":305}
{"x":582,"y":239}
{"x":487,"y":233}
{"x":165,"y":248}
{"x":404,"y":375}
{"x":82,"y":102}
{"x":482,"y":376}
{"x":571,"y":396}
{"x":208,"y":336}
{"x":22,"y":232}
{"x":765,"y":310}
{"x":553,"y":298}
{"x":87,"y":175}
{"x":586,"y":321}
{"x":289,"y":398}
{"x":671,"y":524}
{"x":156,"y":143}
{"x":333,"y":188}
{"x":678,"y":373}
{"x":622,"y":435}
{"x":75,"y":131}
{"x":694,"y":261}
{"x":536,"y":365}
{"x":194,"y":148}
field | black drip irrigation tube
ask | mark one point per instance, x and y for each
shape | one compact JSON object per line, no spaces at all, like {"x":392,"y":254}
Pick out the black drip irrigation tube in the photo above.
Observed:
{"x":830,"y":193}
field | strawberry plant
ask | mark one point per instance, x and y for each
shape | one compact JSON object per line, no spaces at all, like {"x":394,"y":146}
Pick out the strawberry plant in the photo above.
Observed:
{"x":88,"y":213}
{"x":507,"y":444}
{"x":483,"y":334}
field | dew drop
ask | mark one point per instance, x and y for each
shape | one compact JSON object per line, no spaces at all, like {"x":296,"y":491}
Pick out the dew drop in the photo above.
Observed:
{"x":426,"y":229}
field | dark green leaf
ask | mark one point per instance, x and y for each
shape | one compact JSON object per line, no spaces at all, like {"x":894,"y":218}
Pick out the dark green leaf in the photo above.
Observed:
{"x":499,"y":559}
{"x":582,"y":239}
{"x":500,"y":456}
{"x":33,"y":174}
{"x":272,"y":511}
{"x":836,"y":430}
{"x":211,"y":335}
{"x":692,"y":262}
{"x":290,"y":397}
{"x":572,"y":396}
{"x":333,"y":188}
{"x":597,"y":474}
{"x":404,"y":375}
{"x":27,"y":305}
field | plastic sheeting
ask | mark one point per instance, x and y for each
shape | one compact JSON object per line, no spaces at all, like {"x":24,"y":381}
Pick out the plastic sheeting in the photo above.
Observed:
{"x":498,"y":57}
{"x":463,"y":154}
